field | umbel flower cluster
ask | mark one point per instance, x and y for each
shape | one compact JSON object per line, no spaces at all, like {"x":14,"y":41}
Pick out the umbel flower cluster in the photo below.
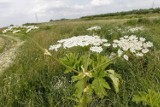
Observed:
{"x":95,"y":43}
{"x":138,"y":46}
{"x":135,"y":29}
{"x":19,"y":28}
{"x":95,"y":28}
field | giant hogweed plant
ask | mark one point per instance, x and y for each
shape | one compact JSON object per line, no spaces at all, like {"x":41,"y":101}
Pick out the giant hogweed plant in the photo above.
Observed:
{"x":90,"y":74}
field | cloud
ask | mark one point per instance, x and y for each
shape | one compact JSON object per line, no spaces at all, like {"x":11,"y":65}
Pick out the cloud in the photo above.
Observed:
{"x":101,"y":2}
{"x":22,"y":11}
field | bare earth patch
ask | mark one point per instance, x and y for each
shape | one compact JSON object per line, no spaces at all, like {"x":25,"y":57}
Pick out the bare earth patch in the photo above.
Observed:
{"x":8,"y":56}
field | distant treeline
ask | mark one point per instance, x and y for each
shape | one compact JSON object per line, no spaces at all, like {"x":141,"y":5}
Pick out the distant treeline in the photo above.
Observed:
{"x":139,"y":11}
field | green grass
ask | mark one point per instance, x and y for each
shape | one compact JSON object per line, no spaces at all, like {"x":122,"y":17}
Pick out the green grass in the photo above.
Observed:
{"x":32,"y":80}
{"x":2,"y":44}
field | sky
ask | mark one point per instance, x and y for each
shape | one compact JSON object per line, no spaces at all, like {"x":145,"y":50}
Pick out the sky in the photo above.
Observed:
{"x":25,"y":11}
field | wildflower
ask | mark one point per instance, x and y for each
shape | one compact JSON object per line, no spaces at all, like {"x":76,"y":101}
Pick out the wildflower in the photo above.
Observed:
{"x":135,"y":29}
{"x":17,"y":28}
{"x":94,"y":28}
{"x":46,"y":52}
{"x":145,"y":50}
{"x":96,"y":49}
{"x":125,"y":57}
{"x":132,"y":44}
{"x":139,"y":54}
{"x":120,"y":52}
{"x":16,"y":31}
{"x":107,"y":44}
{"x":95,"y":42}
{"x":55,"y":47}
{"x":142,"y":39}
{"x":112,"y":55}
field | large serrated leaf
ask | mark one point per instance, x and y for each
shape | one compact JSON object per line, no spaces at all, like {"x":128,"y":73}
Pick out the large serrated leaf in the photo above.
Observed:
{"x":115,"y":79}
{"x":99,"y":85}
{"x":79,"y":89}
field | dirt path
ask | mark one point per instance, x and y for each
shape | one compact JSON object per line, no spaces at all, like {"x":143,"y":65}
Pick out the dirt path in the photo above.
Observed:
{"x":9,"y":52}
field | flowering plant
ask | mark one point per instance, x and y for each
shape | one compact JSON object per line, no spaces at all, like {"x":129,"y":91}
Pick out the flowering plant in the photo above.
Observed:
{"x":90,"y":73}
{"x":132,"y":44}
{"x":16,"y":29}
{"x":90,"y":70}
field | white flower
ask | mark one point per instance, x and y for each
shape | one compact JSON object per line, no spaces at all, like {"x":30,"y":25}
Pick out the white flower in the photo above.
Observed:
{"x":125,"y":57}
{"x":94,"y":28}
{"x":86,"y":40}
{"x":96,"y":49}
{"x":145,"y":51}
{"x":120,"y":52}
{"x":17,"y":28}
{"x":135,"y":29}
{"x":107,"y":44}
{"x":115,"y":45}
{"x":112,"y":55}
{"x":136,"y":46}
{"x":55,"y":47}
{"x":132,"y":50}
{"x":125,"y":36}
{"x":16,"y":31}
{"x":115,"y":41}
{"x":104,"y":40}
{"x":139,"y":54}
{"x":149,"y":44}
{"x":142,"y":39}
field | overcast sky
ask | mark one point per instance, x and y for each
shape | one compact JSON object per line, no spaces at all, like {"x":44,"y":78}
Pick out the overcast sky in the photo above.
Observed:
{"x":22,"y":11}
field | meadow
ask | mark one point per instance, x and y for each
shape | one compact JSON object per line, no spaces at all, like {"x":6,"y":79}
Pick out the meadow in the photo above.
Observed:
{"x":37,"y":80}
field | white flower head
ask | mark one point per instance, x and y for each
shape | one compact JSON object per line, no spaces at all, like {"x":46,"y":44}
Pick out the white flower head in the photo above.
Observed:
{"x":139,"y":54}
{"x":18,"y":28}
{"x":55,"y":47}
{"x":94,"y":28}
{"x":120,"y":52}
{"x":96,"y":49}
{"x":142,"y":39}
{"x":95,"y":42}
{"x":145,"y":51}
{"x":125,"y":57}
{"x":107,"y":44}
{"x":132,"y":44}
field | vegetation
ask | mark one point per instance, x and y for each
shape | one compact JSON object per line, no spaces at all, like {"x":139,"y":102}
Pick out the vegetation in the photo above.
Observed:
{"x":36,"y":80}
{"x":132,"y":14}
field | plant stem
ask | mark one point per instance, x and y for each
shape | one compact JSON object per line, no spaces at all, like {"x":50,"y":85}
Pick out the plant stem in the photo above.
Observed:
{"x":53,"y":57}
{"x":84,"y":103}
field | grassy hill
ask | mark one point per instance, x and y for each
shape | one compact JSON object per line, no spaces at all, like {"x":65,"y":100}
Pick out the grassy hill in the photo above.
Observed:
{"x":36,"y":80}
{"x":126,"y":14}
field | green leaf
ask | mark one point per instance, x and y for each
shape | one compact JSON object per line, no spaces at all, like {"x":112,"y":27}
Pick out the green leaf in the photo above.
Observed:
{"x":99,"y":74}
{"x":71,"y":60}
{"x":78,"y":77}
{"x":99,"y":85}
{"x":99,"y":60}
{"x":79,"y":89}
{"x":115,"y":79}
